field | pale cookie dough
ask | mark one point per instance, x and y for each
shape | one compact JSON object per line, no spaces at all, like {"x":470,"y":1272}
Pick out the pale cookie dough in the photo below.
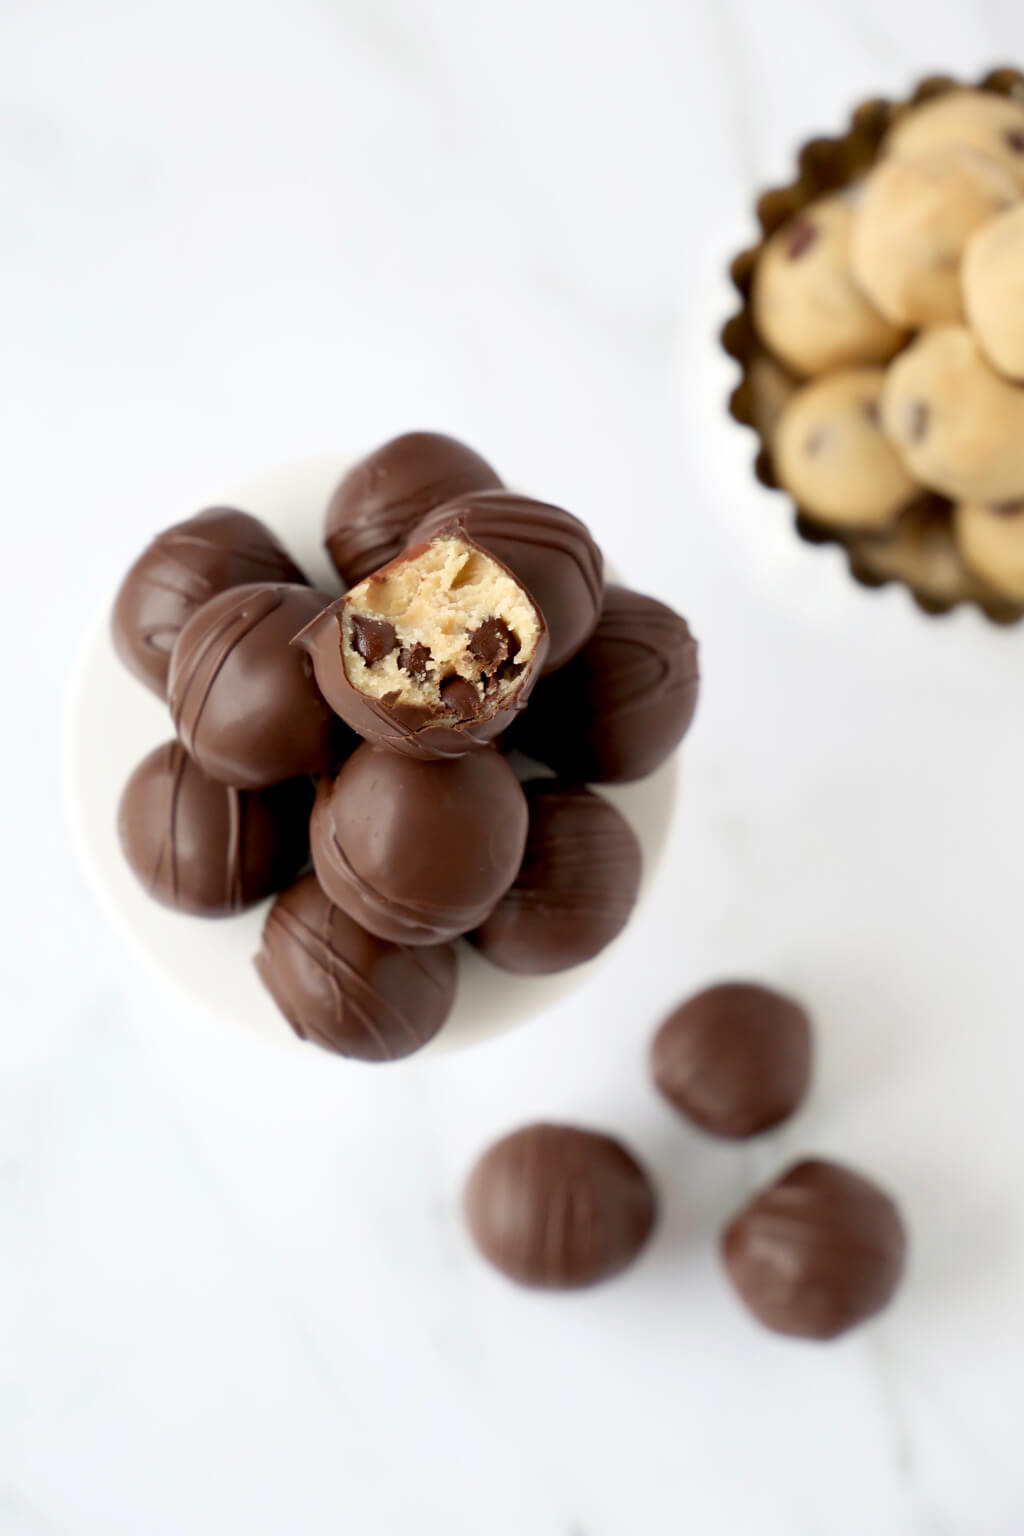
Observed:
{"x":771,"y":387}
{"x":920,"y":551}
{"x":993,"y":286}
{"x":911,"y":227}
{"x":806,"y":306}
{"x":832,"y":457}
{"x":983,"y":120}
{"x":958,"y":425}
{"x":991,"y":540}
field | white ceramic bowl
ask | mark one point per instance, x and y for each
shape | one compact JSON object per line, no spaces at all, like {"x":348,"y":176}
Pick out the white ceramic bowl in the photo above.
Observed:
{"x":112,"y":721}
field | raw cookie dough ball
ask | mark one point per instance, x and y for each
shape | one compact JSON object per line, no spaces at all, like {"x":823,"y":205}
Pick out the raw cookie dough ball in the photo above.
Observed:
{"x":913,"y":222}
{"x":993,"y":285}
{"x":920,"y":551}
{"x":958,"y":425}
{"x":832,"y":456}
{"x":991,"y":541}
{"x":984,"y":120}
{"x":769,"y":389}
{"x":807,"y":308}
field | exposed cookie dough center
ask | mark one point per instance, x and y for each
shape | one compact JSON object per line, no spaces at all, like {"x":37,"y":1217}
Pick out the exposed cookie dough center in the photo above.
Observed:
{"x":450,"y":630}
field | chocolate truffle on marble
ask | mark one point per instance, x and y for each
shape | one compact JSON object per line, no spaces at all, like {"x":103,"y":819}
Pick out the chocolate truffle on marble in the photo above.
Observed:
{"x":373,"y":510}
{"x":243,"y":700}
{"x":559,"y":1208}
{"x":551,"y":552}
{"x":201,"y":847}
{"x":735,"y":1059}
{"x":347,"y":990}
{"x":419,"y":852}
{"x":575,"y":889}
{"x":817,"y":1252}
{"x":434,"y":654}
{"x":179,"y":571}
{"x":618,"y":710}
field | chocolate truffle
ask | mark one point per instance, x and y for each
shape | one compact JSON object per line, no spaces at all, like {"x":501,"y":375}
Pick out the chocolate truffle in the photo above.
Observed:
{"x":575,"y":889}
{"x":375,"y":507}
{"x":618,"y":710}
{"x":817,"y":1252}
{"x":419,"y":852}
{"x":183,"y":568}
{"x":548,"y":550}
{"x":344,"y":988}
{"x":201,"y":847}
{"x":433,"y":654}
{"x":559,"y":1208}
{"x":736,"y":1059}
{"x":243,"y":700}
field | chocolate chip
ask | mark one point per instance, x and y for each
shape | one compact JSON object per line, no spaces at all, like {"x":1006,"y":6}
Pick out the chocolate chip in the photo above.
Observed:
{"x":803,"y":233}
{"x":459,"y":695}
{"x":918,"y":418}
{"x":1007,"y":508}
{"x":1015,"y":139}
{"x":415,"y":659}
{"x":492,"y":644}
{"x":372,"y":639}
{"x":815,"y":441}
{"x":871,"y":411}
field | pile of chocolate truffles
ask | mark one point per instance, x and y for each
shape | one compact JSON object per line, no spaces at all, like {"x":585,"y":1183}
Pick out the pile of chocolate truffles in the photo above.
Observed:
{"x":887,"y":374}
{"x":373,"y":732}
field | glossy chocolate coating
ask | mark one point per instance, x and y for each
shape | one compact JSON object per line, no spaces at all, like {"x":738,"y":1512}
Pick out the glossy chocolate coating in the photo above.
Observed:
{"x":414,"y":729}
{"x":559,"y":1208}
{"x":183,"y":568}
{"x":243,"y":700}
{"x":378,"y":503}
{"x":817,"y":1252}
{"x":418,"y":852}
{"x":551,"y":552}
{"x":576,"y":887}
{"x":736,"y":1059}
{"x":201,"y":847}
{"x":344,"y":988}
{"x":617,"y":711}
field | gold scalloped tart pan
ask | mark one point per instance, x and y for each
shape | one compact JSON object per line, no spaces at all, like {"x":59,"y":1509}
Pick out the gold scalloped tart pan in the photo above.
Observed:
{"x":919,"y":551}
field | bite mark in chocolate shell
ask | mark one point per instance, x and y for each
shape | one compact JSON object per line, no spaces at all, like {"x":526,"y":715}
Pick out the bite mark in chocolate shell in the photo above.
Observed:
{"x":433,"y":655}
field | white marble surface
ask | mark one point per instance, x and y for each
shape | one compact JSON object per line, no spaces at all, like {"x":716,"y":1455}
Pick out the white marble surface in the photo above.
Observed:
{"x":235,"y":1295}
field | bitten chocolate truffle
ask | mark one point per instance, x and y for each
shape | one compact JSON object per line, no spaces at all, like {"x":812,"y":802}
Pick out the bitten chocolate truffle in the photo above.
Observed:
{"x":432,"y":655}
{"x":183,"y":568}
{"x":618,"y":710}
{"x":551,"y":552}
{"x":347,"y":990}
{"x":203,"y":848}
{"x":377,"y":504}
{"x":418,"y":852}
{"x":575,"y":889}
{"x":243,"y":700}
{"x":736,"y":1059}
{"x":559,"y":1208}
{"x":817,"y":1252}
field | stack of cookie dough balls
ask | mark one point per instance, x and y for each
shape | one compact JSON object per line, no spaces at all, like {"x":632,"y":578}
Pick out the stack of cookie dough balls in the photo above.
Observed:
{"x":896,"y":307}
